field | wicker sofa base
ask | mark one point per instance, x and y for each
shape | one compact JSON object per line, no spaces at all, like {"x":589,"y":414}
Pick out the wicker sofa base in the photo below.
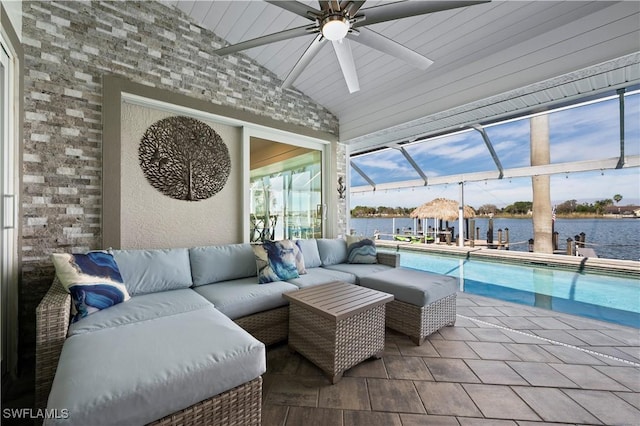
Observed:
{"x":269,"y":327}
{"x":52,"y":322}
{"x":238,"y":406}
{"x":418,"y":322}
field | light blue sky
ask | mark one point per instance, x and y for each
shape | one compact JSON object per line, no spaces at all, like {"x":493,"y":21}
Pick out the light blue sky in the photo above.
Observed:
{"x":589,"y":132}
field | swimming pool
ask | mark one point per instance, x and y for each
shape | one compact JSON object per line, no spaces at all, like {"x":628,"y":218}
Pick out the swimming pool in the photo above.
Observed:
{"x":603,"y":297}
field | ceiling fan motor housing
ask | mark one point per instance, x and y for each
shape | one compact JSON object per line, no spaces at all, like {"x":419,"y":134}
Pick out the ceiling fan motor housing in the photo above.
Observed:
{"x":335,"y":26}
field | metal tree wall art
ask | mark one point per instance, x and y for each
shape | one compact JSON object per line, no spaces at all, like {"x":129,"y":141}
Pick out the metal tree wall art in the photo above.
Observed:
{"x":184,"y":158}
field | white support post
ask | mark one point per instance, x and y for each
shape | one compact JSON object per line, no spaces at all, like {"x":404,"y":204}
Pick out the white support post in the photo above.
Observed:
{"x":461,"y":217}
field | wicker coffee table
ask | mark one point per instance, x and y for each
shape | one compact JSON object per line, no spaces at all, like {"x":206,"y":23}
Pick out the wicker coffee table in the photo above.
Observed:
{"x":337,"y":325}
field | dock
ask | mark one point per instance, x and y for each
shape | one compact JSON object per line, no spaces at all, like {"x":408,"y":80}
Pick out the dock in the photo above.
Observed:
{"x":585,"y":252}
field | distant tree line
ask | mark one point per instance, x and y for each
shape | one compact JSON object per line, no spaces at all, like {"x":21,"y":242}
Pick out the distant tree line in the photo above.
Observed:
{"x":572,"y":206}
{"x":518,"y":208}
{"x":565,"y":208}
{"x":367,"y":211}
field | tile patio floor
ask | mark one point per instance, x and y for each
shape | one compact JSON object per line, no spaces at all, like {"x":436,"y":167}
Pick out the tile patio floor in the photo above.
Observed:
{"x":502,"y":364}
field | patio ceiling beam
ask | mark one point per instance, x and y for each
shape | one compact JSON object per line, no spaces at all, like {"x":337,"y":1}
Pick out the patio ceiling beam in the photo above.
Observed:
{"x":364,"y":175}
{"x":489,"y":145}
{"x":413,"y":164}
{"x":620,"y":93}
{"x":547,"y":169}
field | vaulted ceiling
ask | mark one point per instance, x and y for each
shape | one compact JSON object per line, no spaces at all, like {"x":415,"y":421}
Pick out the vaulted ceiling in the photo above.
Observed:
{"x":490,"y":60}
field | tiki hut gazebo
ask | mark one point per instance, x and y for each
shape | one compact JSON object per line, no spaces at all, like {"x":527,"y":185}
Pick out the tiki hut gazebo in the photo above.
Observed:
{"x":442,"y":208}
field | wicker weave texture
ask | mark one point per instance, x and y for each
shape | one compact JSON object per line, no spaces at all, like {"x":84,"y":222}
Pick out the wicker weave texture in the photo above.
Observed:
{"x":389,"y":259}
{"x":52,"y":321}
{"x":336,"y":346}
{"x":269,"y":327}
{"x":239,"y":406}
{"x":418,"y":322}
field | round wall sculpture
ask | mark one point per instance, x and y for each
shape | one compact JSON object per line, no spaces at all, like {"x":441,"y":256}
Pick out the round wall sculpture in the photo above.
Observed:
{"x":184,"y":158}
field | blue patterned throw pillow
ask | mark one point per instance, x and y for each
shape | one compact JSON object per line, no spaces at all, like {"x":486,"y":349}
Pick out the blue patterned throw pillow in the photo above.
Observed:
{"x":276,"y":261}
{"x":361,"y":250}
{"x":92,"y":279}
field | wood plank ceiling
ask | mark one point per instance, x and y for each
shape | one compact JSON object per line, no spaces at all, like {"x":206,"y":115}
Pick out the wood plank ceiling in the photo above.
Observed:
{"x":478,"y":52}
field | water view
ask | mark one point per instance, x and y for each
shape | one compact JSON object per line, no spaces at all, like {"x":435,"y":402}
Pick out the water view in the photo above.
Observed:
{"x":610,"y":238}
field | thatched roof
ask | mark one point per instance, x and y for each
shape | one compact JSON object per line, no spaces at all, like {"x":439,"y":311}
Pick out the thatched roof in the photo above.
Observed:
{"x":441,"y":208}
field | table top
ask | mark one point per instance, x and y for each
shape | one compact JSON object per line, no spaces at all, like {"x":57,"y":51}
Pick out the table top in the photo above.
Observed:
{"x":338,"y":300}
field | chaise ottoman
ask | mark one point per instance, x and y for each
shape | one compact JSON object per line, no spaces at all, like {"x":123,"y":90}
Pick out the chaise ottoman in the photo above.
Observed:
{"x":424,"y":302}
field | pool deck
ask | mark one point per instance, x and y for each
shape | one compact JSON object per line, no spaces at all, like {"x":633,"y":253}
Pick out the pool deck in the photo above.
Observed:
{"x":501,"y":364}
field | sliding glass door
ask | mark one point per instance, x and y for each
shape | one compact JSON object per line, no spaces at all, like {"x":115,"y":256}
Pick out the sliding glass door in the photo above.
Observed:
{"x":8,"y":255}
{"x":286,"y":195}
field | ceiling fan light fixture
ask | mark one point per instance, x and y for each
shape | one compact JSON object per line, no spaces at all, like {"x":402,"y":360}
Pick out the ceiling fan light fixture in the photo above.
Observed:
{"x":335,"y":27}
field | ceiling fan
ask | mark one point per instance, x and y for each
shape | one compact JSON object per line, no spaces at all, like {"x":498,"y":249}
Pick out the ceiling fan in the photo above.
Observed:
{"x":341,"y":21}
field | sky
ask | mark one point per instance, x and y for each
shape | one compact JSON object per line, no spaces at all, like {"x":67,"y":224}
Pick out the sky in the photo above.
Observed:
{"x":587,"y":132}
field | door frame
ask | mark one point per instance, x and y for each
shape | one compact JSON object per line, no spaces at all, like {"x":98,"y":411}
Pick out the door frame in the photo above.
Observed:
{"x":10,"y":43}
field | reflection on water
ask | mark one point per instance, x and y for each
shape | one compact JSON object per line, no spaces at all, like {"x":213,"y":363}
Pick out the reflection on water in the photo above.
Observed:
{"x":543,"y":288}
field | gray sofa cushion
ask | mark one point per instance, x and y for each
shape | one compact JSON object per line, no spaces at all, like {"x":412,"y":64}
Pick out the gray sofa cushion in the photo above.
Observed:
{"x":309,"y":249}
{"x":359,"y":269}
{"x":143,"y":307}
{"x":213,"y":264}
{"x":150,"y":271}
{"x":318,"y":276}
{"x":134,"y":374}
{"x":418,"y":288}
{"x":242,"y":297}
{"x":332,"y":251}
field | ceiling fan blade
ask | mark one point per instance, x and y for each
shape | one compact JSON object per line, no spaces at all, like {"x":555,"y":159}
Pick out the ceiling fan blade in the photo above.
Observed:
{"x":304,"y":60}
{"x":405,"y":9}
{"x":379,"y":42}
{"x":351,"y":7}
{"x":260,"y":41}
{"x":297,"y":8}
{"x":345,"y":59}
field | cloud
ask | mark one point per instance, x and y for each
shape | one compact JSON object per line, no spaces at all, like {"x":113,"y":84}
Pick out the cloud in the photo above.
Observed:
{"x":517,"y":129}
{"x":585,"y":133}
{"x":384,"y":166}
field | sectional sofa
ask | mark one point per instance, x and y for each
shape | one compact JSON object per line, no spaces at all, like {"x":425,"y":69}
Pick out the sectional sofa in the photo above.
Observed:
{"x":188,"y":347}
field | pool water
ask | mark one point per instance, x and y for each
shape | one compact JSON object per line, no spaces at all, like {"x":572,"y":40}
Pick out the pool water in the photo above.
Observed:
{"x":603,"y":297}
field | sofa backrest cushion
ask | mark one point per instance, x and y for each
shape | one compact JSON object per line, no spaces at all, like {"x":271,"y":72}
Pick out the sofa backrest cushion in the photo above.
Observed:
{"x":332,"y":251}
{"x":309,"y":249}
{"x":212,"y":264}
{"x":153,"y":270}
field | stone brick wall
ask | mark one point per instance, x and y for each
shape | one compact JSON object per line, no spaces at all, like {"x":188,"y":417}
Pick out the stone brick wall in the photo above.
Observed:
{"x":68,"y":47}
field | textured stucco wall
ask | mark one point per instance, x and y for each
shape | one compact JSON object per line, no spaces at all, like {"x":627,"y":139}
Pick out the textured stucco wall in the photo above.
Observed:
{"x":150,"y":219}
{"x":69,"y":47}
